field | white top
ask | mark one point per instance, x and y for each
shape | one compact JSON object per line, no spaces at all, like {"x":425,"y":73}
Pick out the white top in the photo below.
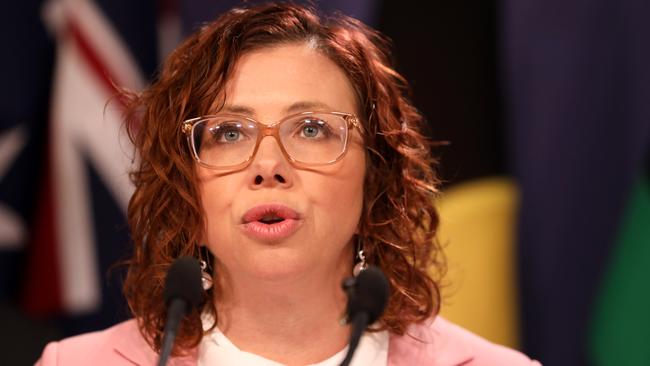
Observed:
{"x":216,"y":349}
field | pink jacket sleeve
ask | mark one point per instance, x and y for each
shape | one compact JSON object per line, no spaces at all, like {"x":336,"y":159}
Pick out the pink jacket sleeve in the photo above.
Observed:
{"x":50,"y":355}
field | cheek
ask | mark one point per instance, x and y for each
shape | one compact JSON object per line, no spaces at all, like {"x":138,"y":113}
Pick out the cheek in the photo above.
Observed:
{"x":338,"y":198}
{"x":217,"y":196}
{"x":341,"y":197}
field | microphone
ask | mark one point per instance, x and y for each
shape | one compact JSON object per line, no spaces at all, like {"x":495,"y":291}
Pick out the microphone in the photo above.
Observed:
{"x":367,"y":298}
{"x":182,"y":293}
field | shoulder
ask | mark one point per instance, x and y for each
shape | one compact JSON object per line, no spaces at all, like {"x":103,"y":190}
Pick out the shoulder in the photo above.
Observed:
{"x":116,"y":345}
{"x":441,"y":343}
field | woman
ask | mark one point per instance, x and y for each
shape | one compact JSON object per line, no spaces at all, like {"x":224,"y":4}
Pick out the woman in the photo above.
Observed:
{"x":280,"y":149}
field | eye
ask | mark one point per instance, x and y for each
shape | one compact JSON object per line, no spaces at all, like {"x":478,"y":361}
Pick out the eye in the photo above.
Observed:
{"x":310,"y":131}
{"x":227,"y":133}
{"x":230,"y":136}
{"x":313,"y":129}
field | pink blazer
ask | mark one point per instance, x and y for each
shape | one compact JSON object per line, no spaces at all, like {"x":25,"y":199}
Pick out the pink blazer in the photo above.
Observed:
{"x":440,"y":344}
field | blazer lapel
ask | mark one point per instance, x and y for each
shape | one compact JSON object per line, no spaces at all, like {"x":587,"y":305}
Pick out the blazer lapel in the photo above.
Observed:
{"x":429,"y":343}
{"x":130,"y":344}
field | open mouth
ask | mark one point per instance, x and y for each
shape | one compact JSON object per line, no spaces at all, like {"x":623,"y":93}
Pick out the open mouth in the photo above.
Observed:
{"x":271,"y":219}
{"x":269,"y":214}
{"x":270,"y":222}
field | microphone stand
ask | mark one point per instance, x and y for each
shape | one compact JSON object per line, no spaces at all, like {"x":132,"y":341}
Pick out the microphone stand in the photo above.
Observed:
{"x":359,"y":323}
{"x":175,"y":311}
{"x":367,"y":298}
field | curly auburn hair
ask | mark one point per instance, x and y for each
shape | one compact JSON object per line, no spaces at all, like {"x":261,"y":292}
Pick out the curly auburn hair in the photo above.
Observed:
{"x":398,"y":221}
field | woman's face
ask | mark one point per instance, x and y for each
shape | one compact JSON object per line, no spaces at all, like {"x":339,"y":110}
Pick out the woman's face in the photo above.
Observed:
{"x":319,"y":207}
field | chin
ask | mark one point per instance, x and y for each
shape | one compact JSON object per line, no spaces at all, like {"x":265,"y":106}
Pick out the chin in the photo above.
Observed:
{"x":280,"y":265}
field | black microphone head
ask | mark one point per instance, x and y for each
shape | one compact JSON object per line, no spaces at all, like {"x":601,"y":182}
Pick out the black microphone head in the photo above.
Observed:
{"x":183,"y":281}
{"x":370,"y":294}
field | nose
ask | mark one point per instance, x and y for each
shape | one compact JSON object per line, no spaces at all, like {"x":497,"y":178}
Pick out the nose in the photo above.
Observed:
{"x":270,"y":168}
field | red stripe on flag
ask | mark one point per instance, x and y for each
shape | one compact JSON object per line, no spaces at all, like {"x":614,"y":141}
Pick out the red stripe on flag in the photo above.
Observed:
{"x":41,"y":294}
{"x":94,"y":61}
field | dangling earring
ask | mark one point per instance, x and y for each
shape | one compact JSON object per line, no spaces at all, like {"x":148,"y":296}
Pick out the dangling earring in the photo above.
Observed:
{"x":206,"y":279}
{"x":361,"y":264}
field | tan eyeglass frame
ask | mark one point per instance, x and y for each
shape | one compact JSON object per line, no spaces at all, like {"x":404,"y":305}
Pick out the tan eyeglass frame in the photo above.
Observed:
{"x":273,"y":130}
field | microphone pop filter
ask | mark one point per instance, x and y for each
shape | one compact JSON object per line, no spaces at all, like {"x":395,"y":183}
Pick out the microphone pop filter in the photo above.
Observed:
{"x":370,"y":295}
{"x":367,"y":299}
{"x":183,"y":281}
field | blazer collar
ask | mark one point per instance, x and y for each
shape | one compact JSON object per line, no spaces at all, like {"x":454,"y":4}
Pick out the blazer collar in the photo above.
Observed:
{"x":433,"y":342}
{"x":430,"y":343}
{"x":129,"y":343}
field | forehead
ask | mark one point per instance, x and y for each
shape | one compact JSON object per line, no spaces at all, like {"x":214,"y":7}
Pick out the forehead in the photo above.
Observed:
{"x":270,"y":80}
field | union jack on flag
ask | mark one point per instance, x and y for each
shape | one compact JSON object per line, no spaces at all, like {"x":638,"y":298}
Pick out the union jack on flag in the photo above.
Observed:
{"x":78,"y":230}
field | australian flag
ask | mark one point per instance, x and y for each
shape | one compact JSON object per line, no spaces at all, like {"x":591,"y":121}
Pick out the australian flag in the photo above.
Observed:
{"x":65,"y":155}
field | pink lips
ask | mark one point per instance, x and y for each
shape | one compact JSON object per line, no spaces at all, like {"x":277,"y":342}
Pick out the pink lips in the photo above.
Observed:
{"x":270,"y":222}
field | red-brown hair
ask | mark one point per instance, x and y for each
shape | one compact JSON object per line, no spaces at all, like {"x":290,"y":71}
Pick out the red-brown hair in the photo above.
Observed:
{"x":399,"y":220}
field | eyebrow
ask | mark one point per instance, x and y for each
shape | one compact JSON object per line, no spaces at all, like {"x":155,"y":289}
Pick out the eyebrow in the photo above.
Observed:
{"x":308,"y":106}
{"x":237,"y":109}
{"x":293,"y":108}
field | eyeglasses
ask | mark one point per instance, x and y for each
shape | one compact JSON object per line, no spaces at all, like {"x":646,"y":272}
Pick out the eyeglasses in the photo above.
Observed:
{"x":228,"y":141}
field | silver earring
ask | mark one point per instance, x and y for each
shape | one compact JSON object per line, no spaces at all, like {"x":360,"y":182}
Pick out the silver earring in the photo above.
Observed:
{"x":206,"y":279}
{"x":361,"y":264}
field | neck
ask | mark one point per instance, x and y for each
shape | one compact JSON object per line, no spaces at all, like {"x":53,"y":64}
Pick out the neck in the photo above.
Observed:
{"x":295,"y":321}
